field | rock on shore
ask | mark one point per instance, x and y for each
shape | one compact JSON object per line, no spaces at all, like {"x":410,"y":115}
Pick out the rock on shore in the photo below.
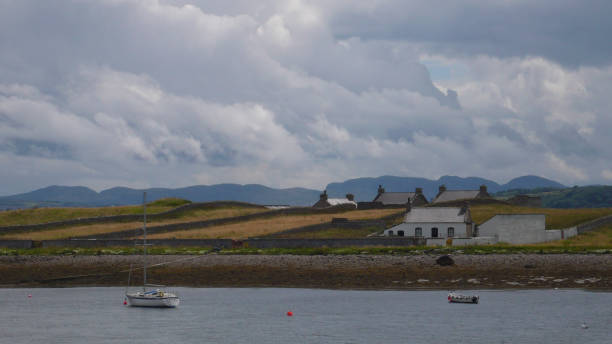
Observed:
{"x":331,"y":271}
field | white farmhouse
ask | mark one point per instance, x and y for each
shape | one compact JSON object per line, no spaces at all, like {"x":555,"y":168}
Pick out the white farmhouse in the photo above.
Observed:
{"x":434,"y":222}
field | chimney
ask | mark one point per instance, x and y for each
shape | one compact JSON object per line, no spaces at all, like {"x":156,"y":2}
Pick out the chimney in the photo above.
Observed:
{"x":408,"y":206}
{"x":483,"y":189}
{"x":381,"y":190}
{"x":350,"y":197}
{"x":418,"y":191}
{"x":323,"y":196}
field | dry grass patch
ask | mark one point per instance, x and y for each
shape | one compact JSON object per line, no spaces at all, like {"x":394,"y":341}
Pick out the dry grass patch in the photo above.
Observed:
{"x":335,"y":233}
{"x":103,"y":228}
{"x":555,"y":218}
{"x":210,"y":214}
{"x":601,"y":237}
{"x":46,"y":215}
{"x":69,"y":232}
{"x":260,"y":227}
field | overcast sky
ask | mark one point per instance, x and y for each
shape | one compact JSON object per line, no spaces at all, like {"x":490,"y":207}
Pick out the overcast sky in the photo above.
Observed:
{"x":171,"y":93}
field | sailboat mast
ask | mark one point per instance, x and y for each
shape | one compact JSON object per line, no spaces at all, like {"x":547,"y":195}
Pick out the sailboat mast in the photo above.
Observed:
{"x":144,"y":228}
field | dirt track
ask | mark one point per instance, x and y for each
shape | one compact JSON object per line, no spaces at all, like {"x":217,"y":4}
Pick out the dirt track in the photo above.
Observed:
{"x":333,"y":271}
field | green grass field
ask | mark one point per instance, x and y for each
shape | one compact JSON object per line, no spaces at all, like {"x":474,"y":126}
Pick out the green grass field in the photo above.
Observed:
{"x":406,"y":250}
{"x":46,"y":215}
{"x":600,"y":237}
{"x":555,"y":218}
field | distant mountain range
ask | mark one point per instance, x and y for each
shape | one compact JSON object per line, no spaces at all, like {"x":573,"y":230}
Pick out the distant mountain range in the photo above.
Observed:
{"x":592,"y":196}
{"x":364,"y":189}
{"x":79,"y":196}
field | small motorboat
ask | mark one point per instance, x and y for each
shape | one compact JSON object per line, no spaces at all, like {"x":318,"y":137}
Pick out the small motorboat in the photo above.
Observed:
{"x":458,"y":298}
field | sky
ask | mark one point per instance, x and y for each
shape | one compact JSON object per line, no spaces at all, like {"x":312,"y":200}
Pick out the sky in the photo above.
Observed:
{"x":290,"y":93}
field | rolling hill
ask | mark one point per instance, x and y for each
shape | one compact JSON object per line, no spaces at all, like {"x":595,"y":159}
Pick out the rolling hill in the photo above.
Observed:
{"x":365,"y":189}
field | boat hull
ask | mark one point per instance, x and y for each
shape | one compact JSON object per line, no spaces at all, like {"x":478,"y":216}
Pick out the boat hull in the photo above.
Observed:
{"x":153,"y":301}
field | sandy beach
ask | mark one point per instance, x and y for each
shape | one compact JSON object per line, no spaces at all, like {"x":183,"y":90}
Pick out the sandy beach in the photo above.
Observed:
{"x":492,"y":271}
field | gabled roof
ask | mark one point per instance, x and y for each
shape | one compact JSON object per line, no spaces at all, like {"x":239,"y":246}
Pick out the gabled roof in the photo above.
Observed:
{"x":388,"y":198}
{"x":435,"y":214}
{"x":338,"y":201}
{"x":454,"y":195}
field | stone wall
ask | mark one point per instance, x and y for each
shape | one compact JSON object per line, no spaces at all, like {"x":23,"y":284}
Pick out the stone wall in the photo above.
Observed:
{"x":174,"y":212}
{"x":589,"y":226}
{"x":463,"y":202}
{"x":558,"y":234}
{"x":91,"y":243}
{"x":318,"y":243}
{"x":16,"y":243}
{"x":379,"y":225}
{"x":526,"y":201}
{"x":228,"y":243}
{"x":123,"y":218}
{"x":128,"y":233}
{"x":474,"y":241}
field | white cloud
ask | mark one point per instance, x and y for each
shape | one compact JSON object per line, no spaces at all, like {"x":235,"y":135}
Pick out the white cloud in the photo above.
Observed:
{"x":174,"y":93}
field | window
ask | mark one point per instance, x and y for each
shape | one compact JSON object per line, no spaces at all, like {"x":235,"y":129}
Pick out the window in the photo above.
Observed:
{"x":390,"y":233}
{"x":434,"y":232}
{"x":418,"y":232}
{"x":400,"y":233}
{"x":451,"y":232}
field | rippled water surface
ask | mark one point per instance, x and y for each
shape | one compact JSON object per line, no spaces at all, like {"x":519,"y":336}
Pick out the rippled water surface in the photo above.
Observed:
{"x":214,"y":315}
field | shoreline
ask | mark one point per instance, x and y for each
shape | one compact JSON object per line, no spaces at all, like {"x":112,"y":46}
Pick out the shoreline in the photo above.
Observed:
{"x":366,"y":272}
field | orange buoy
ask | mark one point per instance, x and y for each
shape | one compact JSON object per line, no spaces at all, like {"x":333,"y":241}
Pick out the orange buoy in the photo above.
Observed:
{"x":290,"y":314}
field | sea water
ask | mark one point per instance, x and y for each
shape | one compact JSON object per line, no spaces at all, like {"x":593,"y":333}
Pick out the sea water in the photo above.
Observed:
{"x":253,"y":315}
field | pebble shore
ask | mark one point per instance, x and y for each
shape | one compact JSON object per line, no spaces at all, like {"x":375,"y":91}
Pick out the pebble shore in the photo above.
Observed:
{"x":491,"y":271}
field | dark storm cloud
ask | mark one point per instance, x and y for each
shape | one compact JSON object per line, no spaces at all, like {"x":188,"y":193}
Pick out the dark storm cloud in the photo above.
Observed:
{"x":572,"y":33}
{"x":36,"y":148}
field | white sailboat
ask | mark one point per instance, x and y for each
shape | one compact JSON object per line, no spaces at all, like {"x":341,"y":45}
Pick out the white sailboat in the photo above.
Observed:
{"x":155,"y":297}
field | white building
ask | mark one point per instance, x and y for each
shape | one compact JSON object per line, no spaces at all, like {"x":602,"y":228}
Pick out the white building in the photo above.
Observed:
{"x":521,"y":229}
{"x":434,"y":222}
{"x":325,"y":202}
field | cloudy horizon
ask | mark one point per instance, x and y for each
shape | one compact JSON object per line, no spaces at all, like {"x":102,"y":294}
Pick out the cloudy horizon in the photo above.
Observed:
{"x":154,"y":93}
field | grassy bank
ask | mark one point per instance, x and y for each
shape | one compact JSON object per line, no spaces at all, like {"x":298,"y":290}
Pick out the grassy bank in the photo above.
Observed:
{"x":412,"y":250}
{"x":600,"y":237}
{"x":265,"y":226}
{"x":103,"y":228}
{"x":555,"y":218}
{"x":46,"y":215}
